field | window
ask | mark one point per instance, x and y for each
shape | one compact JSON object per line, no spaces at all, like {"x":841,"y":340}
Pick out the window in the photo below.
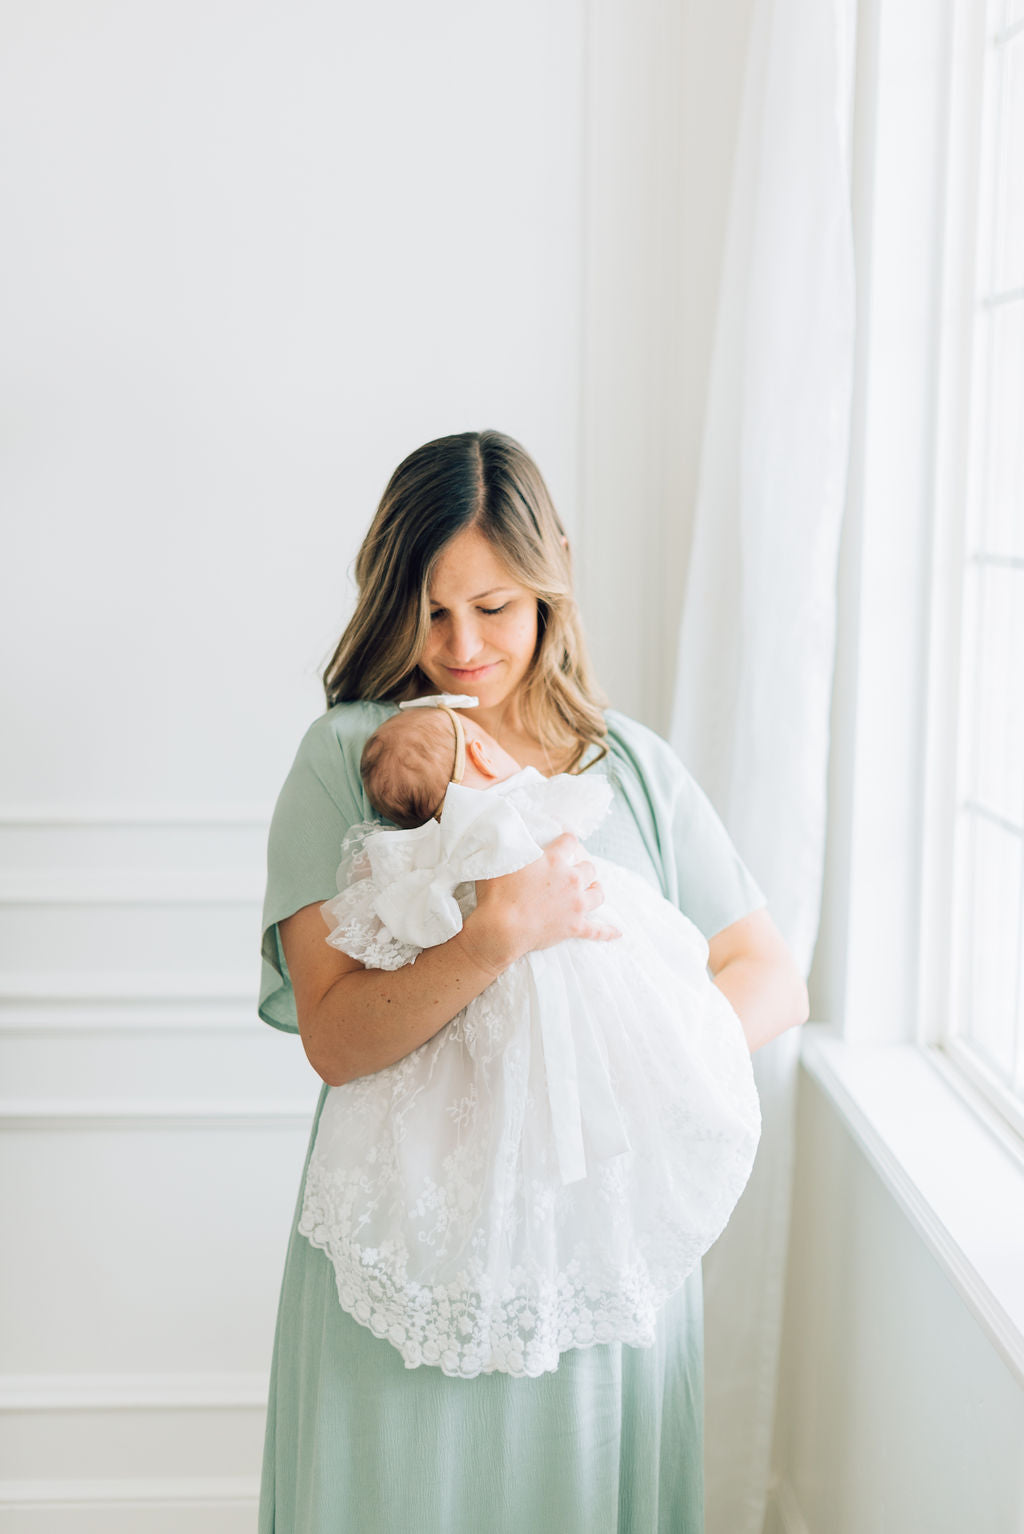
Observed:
{"x":921,"y":1052}
{"x":982,"y":1030}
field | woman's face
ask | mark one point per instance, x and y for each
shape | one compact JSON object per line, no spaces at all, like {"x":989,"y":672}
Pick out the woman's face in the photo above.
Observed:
{"x":483,"y":623}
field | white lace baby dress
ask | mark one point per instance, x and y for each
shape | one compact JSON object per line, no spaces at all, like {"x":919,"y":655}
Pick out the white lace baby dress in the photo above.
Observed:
{"x":549,"y":1168}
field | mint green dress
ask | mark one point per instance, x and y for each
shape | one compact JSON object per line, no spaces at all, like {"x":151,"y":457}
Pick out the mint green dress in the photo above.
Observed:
{"x":609,"y":1443}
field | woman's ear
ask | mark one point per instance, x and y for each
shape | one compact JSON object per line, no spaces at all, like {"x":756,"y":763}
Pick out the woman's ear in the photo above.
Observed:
{"x":480,"y":757}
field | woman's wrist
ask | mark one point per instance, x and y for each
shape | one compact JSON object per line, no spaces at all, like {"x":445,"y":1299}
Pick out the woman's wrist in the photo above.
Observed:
{"x":488,"y":940}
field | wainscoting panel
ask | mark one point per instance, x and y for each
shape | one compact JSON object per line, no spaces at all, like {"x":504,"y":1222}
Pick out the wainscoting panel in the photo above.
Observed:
{"x":146,"y":1057}
{"x":152,"y":1133}
{"x":146,"y":1244}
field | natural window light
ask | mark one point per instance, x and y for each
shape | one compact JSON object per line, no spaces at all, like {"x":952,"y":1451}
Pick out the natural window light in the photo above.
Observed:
{"x":984,"y":1030}
{"x":923,"y":1055}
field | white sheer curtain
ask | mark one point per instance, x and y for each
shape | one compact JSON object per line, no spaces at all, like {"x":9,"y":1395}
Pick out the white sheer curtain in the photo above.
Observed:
{"x":753,"y":686}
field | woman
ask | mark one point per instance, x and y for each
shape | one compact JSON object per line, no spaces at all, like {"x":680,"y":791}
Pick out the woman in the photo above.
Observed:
{"x":465,"y":587}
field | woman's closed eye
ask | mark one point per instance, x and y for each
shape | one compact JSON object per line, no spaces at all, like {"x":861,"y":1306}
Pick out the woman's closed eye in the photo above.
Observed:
{"x":488,"y":612}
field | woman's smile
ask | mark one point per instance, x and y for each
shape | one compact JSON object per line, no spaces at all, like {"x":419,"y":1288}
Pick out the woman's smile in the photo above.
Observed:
{"x":472,"y":673}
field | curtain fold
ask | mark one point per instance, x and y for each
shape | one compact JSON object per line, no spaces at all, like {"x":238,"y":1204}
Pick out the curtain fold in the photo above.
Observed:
{"x":756,"y":645}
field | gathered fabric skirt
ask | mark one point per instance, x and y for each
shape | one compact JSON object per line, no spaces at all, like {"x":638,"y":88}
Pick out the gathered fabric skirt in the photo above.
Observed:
{"x":356,"y":1443}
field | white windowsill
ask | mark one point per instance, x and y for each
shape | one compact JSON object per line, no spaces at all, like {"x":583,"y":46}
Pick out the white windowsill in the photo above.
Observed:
{"x":959,"y":1182}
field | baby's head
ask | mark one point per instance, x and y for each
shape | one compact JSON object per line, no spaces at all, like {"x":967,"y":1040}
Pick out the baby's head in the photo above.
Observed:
{"x":410,"y":759}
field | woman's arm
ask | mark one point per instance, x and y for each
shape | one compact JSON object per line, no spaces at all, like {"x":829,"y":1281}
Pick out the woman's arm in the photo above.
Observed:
{"x":754,"y":969}
{"x":354,"y":1020}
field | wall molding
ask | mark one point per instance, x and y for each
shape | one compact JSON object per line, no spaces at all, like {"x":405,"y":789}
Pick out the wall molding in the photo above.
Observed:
{"x":132,"y":1392}
{"x":153,"y":1491}
{"x":108,"y":987}
{"x":143,"y":1018}
{"x":53,"y":1115}
{"x":172,"y":816}
{"x":128,"y":886}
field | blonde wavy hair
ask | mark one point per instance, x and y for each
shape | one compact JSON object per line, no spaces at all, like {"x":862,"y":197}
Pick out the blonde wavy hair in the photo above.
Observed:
{"x":472,"y":479}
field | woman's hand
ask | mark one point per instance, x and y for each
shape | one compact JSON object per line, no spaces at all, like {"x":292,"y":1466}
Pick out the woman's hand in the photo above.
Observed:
{"x":548,"y":900}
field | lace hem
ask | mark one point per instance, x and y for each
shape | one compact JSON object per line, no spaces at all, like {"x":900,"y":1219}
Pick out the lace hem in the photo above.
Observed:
{"x":466,"y":1328}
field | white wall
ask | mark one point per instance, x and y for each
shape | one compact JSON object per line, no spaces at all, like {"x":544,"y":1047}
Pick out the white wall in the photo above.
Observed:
{"x":896,"y":1415}
{"x":254,"y":255}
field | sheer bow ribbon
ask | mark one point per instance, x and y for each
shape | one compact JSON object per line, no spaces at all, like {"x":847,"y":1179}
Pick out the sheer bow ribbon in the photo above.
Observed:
{"x":479,"y":836}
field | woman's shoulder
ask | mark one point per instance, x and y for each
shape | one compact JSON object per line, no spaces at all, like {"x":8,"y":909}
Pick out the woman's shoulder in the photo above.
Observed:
{"x":327,"y":758}
{"x":342,"y":728}
{"x":644,"y":749}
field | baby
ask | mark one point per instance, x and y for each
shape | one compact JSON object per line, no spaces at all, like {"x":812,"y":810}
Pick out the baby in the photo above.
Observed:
{"x":410,"y":759}
{"x":548,"y":1169}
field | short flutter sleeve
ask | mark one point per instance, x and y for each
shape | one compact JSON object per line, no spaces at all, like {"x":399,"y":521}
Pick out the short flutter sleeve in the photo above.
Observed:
{"x":321,"y":799}
{"x":701,"y":871}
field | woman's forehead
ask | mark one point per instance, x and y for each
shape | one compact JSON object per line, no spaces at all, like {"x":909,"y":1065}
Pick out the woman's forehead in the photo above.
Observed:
{"x":468,"y":569}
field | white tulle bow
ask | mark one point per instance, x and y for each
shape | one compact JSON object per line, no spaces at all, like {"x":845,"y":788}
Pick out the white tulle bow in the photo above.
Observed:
{"x":479,"y":836}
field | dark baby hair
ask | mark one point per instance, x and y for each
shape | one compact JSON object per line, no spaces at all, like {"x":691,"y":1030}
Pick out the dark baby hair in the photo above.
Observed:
{"x":406,"y":765}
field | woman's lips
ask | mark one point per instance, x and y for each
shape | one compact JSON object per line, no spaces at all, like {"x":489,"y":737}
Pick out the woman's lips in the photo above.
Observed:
{"x":473,"y":673}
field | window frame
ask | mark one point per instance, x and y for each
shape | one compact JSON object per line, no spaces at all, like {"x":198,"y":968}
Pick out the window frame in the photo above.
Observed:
{"x":950,"y":1160}
{"x":967,"y":209}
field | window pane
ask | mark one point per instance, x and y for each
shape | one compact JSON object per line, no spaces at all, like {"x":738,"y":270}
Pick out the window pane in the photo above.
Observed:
{"x":997,"y":780}
{"x":1004,"y":517}
{"x":1009,"y":168}
{"x":992,"y":958}
{"x":988,"y":879}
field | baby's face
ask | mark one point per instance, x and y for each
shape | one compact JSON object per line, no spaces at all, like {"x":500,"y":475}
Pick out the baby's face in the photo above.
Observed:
{"x":486,"y":761}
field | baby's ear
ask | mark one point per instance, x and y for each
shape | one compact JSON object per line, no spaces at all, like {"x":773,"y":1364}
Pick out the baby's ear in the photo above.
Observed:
{"x":480,"y":757}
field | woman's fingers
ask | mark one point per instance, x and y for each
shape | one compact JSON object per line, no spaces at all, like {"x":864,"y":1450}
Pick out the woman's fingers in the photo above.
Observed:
{"x":591,"y":895}
{"x":548,"y":900}
{"x":586,"y":873}
{"x":568,"y":848}
{"x":601,"y":932}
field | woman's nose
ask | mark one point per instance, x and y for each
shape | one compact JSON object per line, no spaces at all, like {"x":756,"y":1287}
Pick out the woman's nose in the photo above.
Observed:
{"x":464,"y":639}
